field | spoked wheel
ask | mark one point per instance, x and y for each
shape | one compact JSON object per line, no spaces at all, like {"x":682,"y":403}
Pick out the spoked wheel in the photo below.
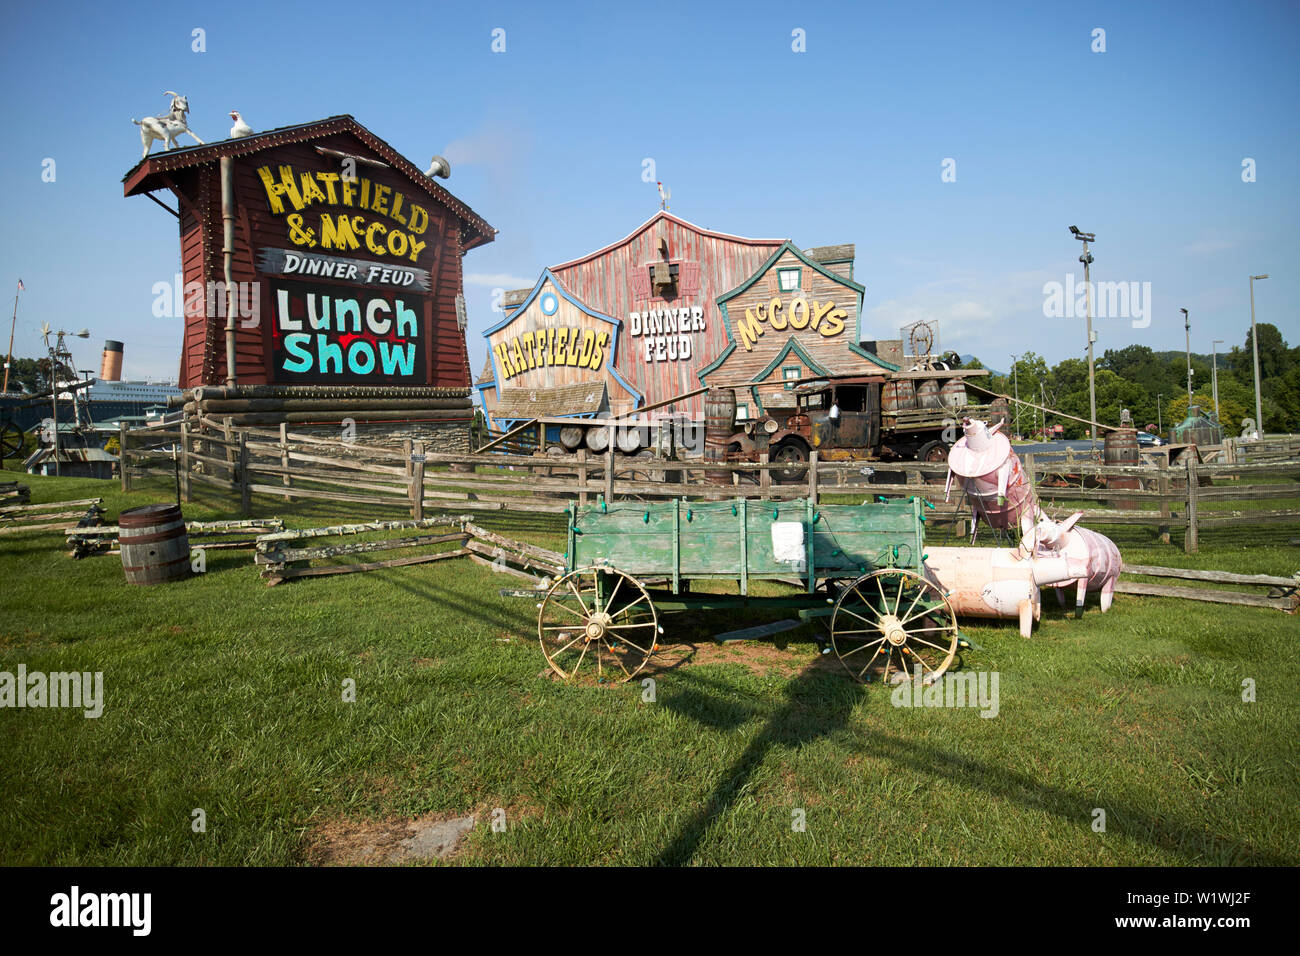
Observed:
{"x":600,"y":619}
{"x":891,"y":622}
{"x":11,"y":441}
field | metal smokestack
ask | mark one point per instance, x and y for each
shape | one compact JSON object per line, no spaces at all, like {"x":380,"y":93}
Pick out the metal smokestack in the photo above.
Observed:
{"x":110,"y":367}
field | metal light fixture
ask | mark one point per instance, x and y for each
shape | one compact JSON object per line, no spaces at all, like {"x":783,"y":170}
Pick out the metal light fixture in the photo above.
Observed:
{"x":1086,"y":259}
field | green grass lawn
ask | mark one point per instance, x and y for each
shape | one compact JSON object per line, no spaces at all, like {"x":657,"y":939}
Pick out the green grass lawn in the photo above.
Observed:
{"x":226,"y":695}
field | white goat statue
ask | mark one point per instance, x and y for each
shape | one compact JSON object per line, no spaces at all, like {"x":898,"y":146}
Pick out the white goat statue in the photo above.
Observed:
{"x":1092,"y":560}
{"x":166,"y":126}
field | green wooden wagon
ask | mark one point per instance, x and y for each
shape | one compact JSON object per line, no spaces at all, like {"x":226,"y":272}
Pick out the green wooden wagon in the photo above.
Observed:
{"x":628,"y":562}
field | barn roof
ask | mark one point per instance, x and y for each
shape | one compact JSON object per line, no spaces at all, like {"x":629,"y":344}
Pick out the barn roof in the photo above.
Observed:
{"x":151,"y":173}
{"x":664,"y":215}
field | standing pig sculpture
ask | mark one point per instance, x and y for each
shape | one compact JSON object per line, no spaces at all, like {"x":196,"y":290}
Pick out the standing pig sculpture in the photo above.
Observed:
{"x":1092,"y":560}
{"x":989,"y":472}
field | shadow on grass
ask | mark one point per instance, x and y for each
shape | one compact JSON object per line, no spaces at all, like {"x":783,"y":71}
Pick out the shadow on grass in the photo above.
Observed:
{"x":819,"y":704}
{"x":816,"y":705}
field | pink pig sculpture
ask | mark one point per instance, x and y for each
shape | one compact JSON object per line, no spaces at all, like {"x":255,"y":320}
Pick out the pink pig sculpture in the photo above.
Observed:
{"x":989,"y":472}
{"x":1092,"y":560}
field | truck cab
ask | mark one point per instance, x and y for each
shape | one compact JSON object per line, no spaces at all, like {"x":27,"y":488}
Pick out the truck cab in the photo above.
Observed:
{"x":837,"y":418}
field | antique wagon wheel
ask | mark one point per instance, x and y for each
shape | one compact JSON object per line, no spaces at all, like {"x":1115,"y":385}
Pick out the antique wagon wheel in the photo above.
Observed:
{"x":891,"y":622}
{"x":599,"y":618}
{"x":11,"y":441}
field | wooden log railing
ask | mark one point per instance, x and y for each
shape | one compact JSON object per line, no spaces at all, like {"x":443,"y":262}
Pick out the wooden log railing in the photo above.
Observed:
{"x":250,"y":463}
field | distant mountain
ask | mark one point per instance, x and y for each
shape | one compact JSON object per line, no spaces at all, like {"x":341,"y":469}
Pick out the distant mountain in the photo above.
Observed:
{"x":966,"y":359}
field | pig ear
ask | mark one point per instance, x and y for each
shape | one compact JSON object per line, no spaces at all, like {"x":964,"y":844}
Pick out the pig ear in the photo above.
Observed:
{"x":1071,"y":521}
{"x":996,"y":427}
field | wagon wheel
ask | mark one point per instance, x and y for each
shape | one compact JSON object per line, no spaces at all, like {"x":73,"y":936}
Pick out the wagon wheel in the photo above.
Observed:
{"x":599,"y":618}
{"x":892,"y":621}
{"x":11,"y":441}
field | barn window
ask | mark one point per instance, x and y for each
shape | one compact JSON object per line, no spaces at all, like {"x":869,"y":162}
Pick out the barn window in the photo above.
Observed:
{"x":788,"y":279}
{"x":742,"y":411}
{"x":791,"y":374}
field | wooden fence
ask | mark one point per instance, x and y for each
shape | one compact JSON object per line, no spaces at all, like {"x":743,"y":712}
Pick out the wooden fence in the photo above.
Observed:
{"x":280,"y":465}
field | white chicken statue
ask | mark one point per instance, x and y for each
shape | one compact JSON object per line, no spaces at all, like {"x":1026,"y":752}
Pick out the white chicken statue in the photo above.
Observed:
{"x":240,"y":128}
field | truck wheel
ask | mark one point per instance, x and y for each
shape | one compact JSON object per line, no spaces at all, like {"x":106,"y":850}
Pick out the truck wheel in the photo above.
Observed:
{"x":933,"y":453}
{"x":793,"y":458}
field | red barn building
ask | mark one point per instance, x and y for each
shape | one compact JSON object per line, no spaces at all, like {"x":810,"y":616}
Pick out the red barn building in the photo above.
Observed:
{"x":322,"y":279}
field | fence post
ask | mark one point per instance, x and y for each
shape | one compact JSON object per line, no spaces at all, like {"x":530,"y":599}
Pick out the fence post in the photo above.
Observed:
{"x":1162,"y":486}
{"x":284,"y":457}
{"x":245,"y":489}
{"x":1190,"y":543}
{"x":609,"y":467}
{"x":231,"y":454}
{"x":121,"y":456}
{"x":408,"y":448}
{"x":764,"y":477}
{"x":417,"y":481}
{"x":812,"y":477}
{"x":1031,"y":476}
{"x":582,"y":477}
{"x":185,"y":461}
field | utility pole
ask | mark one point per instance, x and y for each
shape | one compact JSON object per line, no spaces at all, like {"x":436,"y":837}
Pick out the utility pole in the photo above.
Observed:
{"x":1187,"y":326}
{"x":1086,"y":259}
{"x":1214,"y":374}
{"x":1160,"y":425}
{"x":9,"y":356}
{"x":1015,"y":375}
{"x":1254,"y":345}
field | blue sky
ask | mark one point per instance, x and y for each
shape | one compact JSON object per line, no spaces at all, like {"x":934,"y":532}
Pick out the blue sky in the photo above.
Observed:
{"x":1141,"y":144}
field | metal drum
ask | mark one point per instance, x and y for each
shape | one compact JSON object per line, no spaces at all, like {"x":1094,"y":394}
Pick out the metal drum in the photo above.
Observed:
{"x":598,"y":438}
{"x":953,"y":393}
{"x":571,"y":437}
{"x":898,"y":395}
{"x":927,"y":394}
{"x":155,"y":547}
{"x":1120,"y":447}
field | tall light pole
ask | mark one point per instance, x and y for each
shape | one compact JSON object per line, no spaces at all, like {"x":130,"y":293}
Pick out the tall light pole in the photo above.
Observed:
{"x":1015,"y":375}
{"x":1254,"y":345}
{"x":1214,"y":373}
{"x":1086,"y":259}
{"x":1160,"y":424}
{"x":1187,"y":325}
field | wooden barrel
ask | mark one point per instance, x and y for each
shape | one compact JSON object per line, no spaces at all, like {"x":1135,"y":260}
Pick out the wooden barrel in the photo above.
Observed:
{"x":598,"y":438}
{"x":571,"y":437}
{"x":927,"y":394}
{"x":898,"y":396}
{"x":155,"y":547}
{"x":999,"y":411}
{"x":719,"y":421}
{"x":719,"y":426}
{"x":953,"y":393}
{"x":1120,"y":447}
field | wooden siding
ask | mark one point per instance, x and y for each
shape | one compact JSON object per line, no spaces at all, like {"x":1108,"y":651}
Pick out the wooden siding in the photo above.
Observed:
{"x":758,"y":343}
{"x":532,"y":320}
{"x":715,"y":263}
{"x":203,"y":353}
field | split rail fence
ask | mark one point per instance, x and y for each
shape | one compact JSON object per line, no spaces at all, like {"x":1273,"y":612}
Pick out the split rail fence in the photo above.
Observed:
{"x":278,"y":465}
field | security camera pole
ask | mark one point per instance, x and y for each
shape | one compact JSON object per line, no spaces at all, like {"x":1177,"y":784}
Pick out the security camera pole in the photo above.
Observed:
{"x":1187,"y":326}
{"x":1086,"y":259}
{"x":1254,"y":345}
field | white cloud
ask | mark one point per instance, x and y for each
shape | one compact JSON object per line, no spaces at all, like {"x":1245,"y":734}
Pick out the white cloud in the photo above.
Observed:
{"x":498,"y":280}
{"x":1208,"y":247}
